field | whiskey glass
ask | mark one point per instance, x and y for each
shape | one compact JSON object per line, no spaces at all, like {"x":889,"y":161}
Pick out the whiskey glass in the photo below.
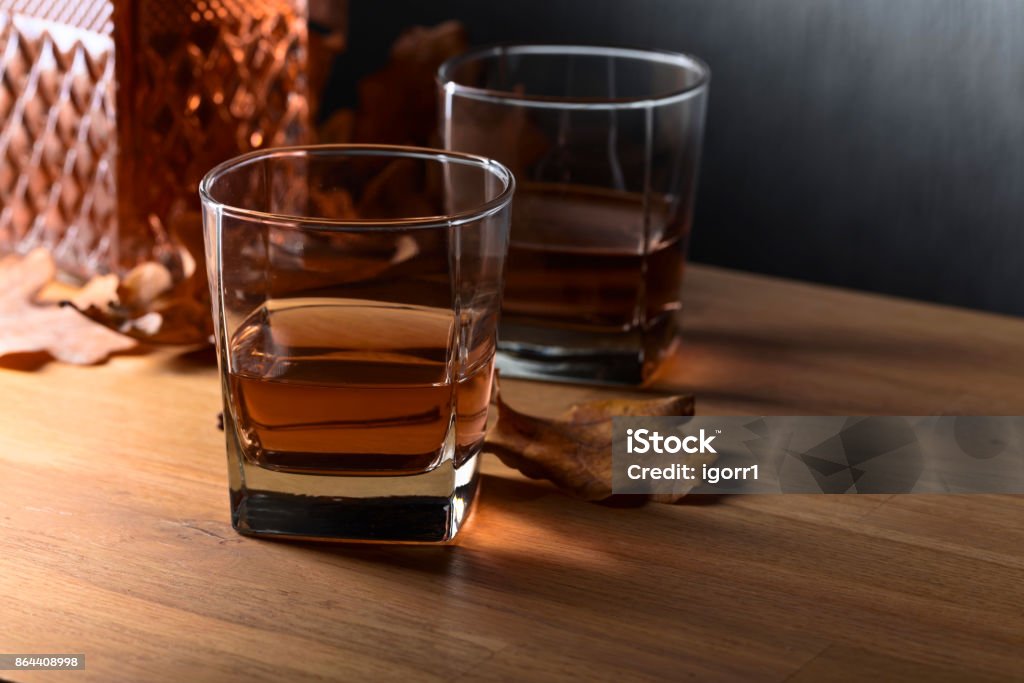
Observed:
{"x":356,"y":292}
{"x":605,"y":145}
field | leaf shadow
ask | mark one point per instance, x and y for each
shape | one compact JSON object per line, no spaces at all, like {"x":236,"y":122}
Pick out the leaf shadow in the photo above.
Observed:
{"x":34,"y":361}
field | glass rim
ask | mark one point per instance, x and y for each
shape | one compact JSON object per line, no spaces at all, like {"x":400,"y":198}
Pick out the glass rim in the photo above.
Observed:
{"x":484,"y":210}
{"x":443,"y":77}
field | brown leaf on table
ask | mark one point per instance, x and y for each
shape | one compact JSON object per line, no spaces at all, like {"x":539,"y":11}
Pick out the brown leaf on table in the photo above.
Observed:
{"x":574,"y":450}
{"x":28,"y":326}
{"x":153,"y":305}
{"x":143,"y":284}
{"x":96,"y":292}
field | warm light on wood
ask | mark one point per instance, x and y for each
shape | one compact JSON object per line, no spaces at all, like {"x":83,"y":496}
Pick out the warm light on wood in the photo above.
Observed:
{"x":115,"y":539}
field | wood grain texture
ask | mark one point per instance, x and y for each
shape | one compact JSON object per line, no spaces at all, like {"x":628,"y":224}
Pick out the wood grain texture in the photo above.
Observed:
{"x":115,"y":539}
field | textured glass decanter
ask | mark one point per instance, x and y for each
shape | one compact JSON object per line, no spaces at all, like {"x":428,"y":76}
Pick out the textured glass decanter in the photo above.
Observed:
{"x":111,"y":111}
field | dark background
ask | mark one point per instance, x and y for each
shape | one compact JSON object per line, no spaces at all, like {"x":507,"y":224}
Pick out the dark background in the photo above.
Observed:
{"x":875,"y":144}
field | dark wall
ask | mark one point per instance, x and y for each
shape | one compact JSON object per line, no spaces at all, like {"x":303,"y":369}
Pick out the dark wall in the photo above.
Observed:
{"x":876,"y":144}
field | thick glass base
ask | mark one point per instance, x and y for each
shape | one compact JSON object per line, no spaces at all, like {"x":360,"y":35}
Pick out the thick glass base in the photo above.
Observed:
{"x":429,"y":507}
{"x":549,"y":353}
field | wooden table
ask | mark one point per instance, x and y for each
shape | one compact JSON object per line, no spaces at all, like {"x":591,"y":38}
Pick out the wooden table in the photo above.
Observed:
{"x":115,"y":539}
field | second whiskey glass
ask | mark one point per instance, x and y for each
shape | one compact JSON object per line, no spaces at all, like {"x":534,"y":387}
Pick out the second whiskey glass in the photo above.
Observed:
{"x":605,"y":145}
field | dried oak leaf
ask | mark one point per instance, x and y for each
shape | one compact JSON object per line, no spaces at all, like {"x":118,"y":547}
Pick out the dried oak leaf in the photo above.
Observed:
{"x":398,"y":103}
{"x":574,"y":450}
{"x":152,"y":305}
{"x":29,"y":327}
